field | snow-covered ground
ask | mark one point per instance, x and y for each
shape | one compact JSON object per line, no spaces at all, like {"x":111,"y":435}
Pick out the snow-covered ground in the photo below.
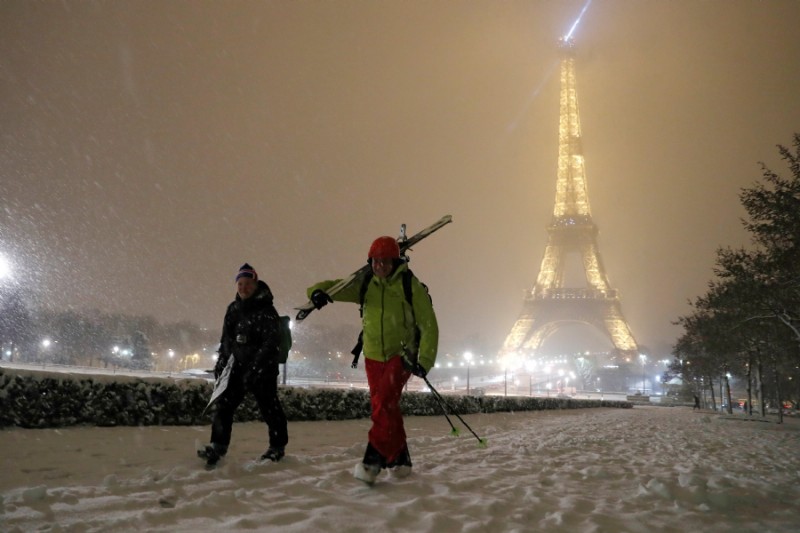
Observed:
{"x":601,"y":470}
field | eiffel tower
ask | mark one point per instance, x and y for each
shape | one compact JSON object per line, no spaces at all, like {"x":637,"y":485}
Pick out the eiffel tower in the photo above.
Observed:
{"x":550,"y":305}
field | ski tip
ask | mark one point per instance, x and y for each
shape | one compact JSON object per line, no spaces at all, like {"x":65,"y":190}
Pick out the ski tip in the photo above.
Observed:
{"x":455,"y":432}
{"x":482,"y":443}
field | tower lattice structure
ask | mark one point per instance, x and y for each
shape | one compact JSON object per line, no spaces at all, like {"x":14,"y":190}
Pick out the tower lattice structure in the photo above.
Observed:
{"x":550,"y":304}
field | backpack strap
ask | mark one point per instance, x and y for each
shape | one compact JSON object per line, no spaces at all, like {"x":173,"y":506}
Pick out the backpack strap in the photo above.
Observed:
{"x":362,"y":292}
{"x":407,"y":275}
{"x":356,"y":351}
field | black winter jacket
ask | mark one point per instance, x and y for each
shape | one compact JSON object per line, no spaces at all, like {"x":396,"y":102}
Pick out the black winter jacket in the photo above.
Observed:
{"x":250,"y":331}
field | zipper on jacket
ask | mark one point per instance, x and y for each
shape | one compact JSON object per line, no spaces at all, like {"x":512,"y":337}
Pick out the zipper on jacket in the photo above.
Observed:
{"x":383,"y":313}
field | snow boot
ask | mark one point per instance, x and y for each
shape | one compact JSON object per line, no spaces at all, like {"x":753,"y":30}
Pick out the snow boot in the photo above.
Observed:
{"x":212,"y":453}
{"x":366,"y":473}
{"x":401,"y":466}
{"x":273,"y":454}
{"x":373,"y":457}
{"x":369,"y":468}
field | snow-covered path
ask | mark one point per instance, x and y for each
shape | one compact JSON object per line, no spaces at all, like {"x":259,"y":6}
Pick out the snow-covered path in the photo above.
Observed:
{"x":641,"y":469}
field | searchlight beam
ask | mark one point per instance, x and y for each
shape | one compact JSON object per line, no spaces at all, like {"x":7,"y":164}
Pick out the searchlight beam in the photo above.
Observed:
{"x":568,"y":36}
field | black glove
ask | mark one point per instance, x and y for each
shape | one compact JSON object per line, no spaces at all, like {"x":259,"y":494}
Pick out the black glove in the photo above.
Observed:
{"x":419,"y":370}
{"x":414,"y":367}
{"x":219,"y":366}
{"x":320,"y":298}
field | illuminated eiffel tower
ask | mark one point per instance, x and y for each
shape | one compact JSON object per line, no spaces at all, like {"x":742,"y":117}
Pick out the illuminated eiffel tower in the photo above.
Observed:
{"x":550,"y":305}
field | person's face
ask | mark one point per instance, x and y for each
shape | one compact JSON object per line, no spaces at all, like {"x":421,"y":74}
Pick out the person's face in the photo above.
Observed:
{"x":245,"y":287}
{"x":382,"y":267}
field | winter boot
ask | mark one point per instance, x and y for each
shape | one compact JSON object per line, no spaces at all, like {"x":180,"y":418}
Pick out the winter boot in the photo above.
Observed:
{"x":368,"y":469}
{"x":373,"y":457}
{"x":401,"y":466}
{"x":212,"y":453}
{"x":273,"y":454}
{"x":366,"y":473}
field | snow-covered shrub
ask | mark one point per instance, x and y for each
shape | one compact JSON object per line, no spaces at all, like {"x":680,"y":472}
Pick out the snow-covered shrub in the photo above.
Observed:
{"x":38,"y":399}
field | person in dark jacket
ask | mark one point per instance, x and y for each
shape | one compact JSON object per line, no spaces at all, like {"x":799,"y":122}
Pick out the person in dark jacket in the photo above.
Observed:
{"x":400,"y":339}
{"x":249,"y":344}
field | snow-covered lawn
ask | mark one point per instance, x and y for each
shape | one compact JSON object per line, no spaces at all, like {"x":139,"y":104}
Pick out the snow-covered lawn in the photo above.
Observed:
{"x":606,"y":470}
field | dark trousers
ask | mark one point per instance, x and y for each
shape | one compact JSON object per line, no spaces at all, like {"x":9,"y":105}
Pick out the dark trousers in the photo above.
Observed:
{"x":262,"y":383}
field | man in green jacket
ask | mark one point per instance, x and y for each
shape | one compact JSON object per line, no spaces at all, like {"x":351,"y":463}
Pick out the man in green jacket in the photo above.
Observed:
{"x":400,"y":339}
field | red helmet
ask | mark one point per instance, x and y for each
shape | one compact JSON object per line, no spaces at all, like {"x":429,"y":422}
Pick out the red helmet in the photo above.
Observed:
{"x":384,"y":248}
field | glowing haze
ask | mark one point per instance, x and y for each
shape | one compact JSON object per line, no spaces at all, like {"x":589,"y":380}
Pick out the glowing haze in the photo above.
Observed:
{"x":150,"y":148}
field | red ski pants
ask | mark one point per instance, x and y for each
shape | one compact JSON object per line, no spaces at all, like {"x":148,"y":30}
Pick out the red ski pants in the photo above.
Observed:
{"x":386,"y":381}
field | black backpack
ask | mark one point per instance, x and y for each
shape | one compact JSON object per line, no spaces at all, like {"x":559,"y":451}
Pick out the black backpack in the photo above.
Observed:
{"x":285,"y":344}
{"x":407,"y":275}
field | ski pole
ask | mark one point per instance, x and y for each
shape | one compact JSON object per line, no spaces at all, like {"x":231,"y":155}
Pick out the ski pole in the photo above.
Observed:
{"x":454,"y":430}
{"x":441,"y":401}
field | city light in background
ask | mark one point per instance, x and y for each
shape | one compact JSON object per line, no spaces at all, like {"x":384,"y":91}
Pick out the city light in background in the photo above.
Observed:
{"x":5,"y":268}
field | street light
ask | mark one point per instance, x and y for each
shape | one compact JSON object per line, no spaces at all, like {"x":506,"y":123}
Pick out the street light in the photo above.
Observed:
{"x":468,"y":357}
{"x":5,"y":267}
{"x":643,"y":357}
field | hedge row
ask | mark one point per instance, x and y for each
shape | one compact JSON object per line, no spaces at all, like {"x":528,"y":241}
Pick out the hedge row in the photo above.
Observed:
{"x":33,"y":399}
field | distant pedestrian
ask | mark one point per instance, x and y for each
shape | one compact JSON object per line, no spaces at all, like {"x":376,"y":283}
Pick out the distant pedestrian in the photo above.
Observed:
{"x":249,"y":344}
{"x":400,"y":338}
{"x":696,"y":402}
